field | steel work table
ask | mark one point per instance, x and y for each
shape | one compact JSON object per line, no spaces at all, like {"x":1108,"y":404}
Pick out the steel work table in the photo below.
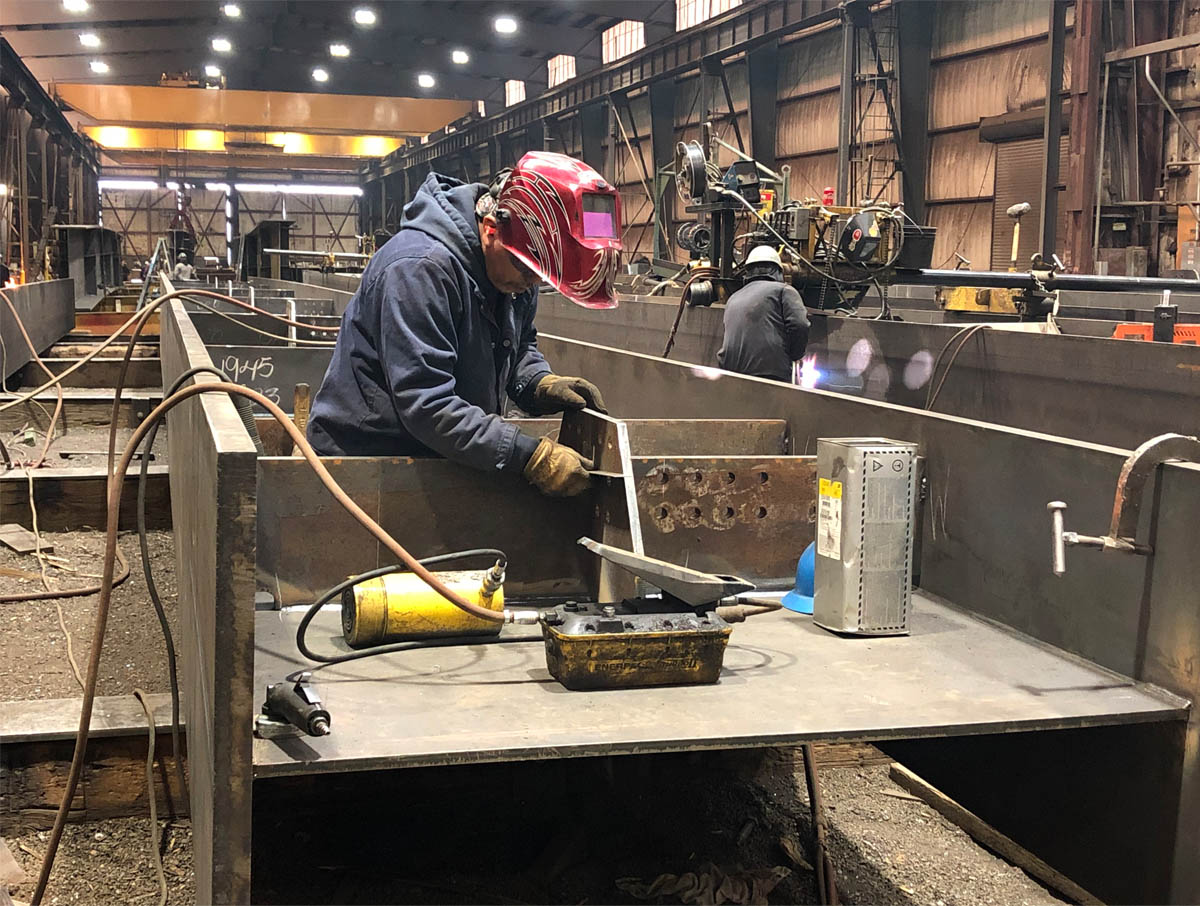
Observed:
{"x":785,"y":681}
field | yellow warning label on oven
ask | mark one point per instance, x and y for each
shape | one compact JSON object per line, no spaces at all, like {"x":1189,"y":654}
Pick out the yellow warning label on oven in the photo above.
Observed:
{"x":830,"y":488}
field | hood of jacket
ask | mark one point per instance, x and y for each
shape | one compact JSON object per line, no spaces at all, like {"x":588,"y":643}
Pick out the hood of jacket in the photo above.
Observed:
{"x":444,"y":209}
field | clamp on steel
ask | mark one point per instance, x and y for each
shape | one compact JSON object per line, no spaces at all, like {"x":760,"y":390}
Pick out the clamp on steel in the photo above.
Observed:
{"x":1127,"y":504}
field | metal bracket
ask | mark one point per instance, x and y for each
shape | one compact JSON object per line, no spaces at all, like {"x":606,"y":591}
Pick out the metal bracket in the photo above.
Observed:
{"x":692,"y":587}
{"x":1127,"y":504}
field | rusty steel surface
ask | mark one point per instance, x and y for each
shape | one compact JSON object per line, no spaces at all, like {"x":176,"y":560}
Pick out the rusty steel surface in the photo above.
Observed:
{"x":749,"y":516}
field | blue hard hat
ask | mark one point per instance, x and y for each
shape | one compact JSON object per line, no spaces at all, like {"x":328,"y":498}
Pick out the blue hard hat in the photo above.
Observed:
{"x":800,"y":598}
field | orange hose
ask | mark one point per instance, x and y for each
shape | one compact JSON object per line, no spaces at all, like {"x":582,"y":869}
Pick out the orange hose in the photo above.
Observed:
{"x":110,"y":552}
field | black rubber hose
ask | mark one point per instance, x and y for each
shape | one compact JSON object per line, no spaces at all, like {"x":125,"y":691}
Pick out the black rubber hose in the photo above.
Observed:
{"x":395,"y":646}
{"x":151,"y":588}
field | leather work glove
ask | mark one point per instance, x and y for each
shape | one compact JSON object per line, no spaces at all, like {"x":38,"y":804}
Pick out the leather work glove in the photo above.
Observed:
{"x":557,"y":471}
{"x":556,"y":393}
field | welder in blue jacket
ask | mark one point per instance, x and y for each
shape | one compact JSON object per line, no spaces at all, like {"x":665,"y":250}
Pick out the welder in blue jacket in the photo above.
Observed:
{"x":441,"y":328}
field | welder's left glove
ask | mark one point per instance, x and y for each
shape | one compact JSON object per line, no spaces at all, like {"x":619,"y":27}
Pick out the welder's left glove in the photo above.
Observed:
{"x":557,"y":393}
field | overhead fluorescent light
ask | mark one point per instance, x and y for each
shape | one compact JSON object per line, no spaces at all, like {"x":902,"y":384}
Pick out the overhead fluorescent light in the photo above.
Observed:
{"x":506,"y":25}
{"x":298,"y":188}
{"x":217,"y":187}
{"x":232,"y":10}
{"x":461,"y":57}
{"x":98,"y":66}
{"x":212,"y":71}
{"x":131,"y":184}
{"x":3,"y":189}
{"x":89,"y":39}
{"x":425,"y":80}
{"x":364,"y":16}
{"x":339,"y":50}
{"x":221,"y":45}
{"x":173,"y":186}
{"x":320,"y":75}
{"x":76,"y":6}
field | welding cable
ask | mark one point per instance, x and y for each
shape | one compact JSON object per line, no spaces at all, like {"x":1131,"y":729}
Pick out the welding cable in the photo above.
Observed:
{"x":138,"y":315}
{"x":315,"y":608}
{"x":965,"y":333}
{"x":110,"y":556}
{"x":147,"y":573}
{"x":699,"y":273}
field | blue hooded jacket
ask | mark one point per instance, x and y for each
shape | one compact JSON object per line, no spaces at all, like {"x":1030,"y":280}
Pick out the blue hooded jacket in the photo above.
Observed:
{"x":428,"y":347}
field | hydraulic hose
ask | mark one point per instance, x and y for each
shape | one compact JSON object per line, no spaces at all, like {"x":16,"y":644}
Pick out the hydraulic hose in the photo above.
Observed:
{"x":302,"y":629}
{"x":110,"y":552}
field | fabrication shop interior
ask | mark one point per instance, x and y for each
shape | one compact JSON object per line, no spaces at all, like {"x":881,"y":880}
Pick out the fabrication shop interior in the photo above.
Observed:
{"x":913,"y":622}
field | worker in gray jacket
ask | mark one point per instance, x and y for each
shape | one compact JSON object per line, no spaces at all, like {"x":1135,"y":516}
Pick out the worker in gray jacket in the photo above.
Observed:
{"x":766,"y":324}
{"x":183,"y":269}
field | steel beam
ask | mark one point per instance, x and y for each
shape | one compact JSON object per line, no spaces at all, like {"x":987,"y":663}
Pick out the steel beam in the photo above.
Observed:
{"x":734,"y":32}
{"x":1084,"y":134}
{"x":662,"y":154}
{"x":1052,"y":126}
{"x":593,"y":123}
{"x":762,"y":85}
{"x":24,"y":89}
{"x":915,"y":21}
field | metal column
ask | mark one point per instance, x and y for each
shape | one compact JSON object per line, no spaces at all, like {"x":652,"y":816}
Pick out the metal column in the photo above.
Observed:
{"x":762,"y":77}
{"x":1084,"y":134}
{"x":1052,"y":126}
{"x":662,"y":153}
{"x":914,"y":22}
{"x":592,"y":121}
{"x":846,"y":111}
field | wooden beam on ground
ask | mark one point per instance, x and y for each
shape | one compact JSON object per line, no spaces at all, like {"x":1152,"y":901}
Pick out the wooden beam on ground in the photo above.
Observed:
{"x":69,"y":499}
{"x":986,"y":835}
{"x":82,"y":408}
{"x":99,"y":372}
{"x":77,"y":350}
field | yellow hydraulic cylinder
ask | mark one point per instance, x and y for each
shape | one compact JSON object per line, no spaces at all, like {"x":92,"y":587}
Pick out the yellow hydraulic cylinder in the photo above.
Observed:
{"x":401,"y":606}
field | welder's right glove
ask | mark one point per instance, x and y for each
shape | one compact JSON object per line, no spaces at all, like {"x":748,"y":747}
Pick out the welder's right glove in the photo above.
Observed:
{"x":557,"y":471}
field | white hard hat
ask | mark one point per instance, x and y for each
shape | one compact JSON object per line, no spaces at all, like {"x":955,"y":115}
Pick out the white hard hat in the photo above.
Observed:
{"x":764,"y":254}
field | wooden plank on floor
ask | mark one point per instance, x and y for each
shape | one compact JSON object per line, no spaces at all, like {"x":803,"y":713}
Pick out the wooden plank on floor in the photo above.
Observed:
{"x":99,"y":372}
{"x":77,"y":350}
{"x":21,"y":540}
{"x":72,"y":498}
{"x":986,"y":835}
{"x":82,"y":408}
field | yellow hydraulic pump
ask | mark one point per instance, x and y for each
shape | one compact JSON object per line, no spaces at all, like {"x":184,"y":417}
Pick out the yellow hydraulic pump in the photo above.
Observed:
{"x":401,"y":606}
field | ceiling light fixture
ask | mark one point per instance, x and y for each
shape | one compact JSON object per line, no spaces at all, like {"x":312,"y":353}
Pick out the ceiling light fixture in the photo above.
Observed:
{"x":130,"y":184}
{"x":425,"y":80}
{"x":364,"y":16}
{"x":76,"y":6}
{"x":89,"y":39}
{"x":221,"y":45}
{"x":320,"y":75}
{"x":506,"y":25}
{"x":232,"y":10}
{"x":297,"y":188}
{"x":213,"y":72}
{"x":461,"y":57}
{"x":339,"y":50}
{"x":98,"y":66}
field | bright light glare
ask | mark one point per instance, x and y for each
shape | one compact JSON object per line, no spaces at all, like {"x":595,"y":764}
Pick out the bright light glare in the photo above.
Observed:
{"x":339,"y":50}
{"x":461,"y":57}
{"x":232,"y":10}
{"x":425,"y":80}
{"x":320,"y":75}
{"x":98,"y":66}
{"x":221,"y":45}
{"x":217,"y":187}
{"x":364,"y":16}
{"x":131,"y":184}
{"x":3,"y":189}
{"x":212,"y":71}
{"x":89,"y":39}
{"x":506,"y":25}
{"x":810,"y":374}
{"x":297,"y":188}
{"x":76,"y":6}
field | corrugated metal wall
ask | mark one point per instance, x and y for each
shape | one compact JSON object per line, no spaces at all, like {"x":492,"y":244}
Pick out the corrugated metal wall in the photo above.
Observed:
{"x":143,"y":216}
{"x":318,"y":218}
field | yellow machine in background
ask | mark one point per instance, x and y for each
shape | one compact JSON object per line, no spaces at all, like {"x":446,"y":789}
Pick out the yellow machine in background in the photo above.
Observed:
{"x":988,"y":301}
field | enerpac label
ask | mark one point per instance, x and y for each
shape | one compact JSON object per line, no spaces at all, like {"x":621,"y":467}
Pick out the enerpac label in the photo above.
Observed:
{"x":829,"y":519}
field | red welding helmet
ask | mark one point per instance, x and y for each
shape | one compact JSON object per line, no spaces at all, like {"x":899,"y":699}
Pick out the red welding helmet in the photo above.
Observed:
{"x":563,"y":221}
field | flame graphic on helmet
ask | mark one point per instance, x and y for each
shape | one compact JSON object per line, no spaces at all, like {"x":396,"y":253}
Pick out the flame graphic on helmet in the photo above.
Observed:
{"x":601,"y":275}
{"x":541,"y":218}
